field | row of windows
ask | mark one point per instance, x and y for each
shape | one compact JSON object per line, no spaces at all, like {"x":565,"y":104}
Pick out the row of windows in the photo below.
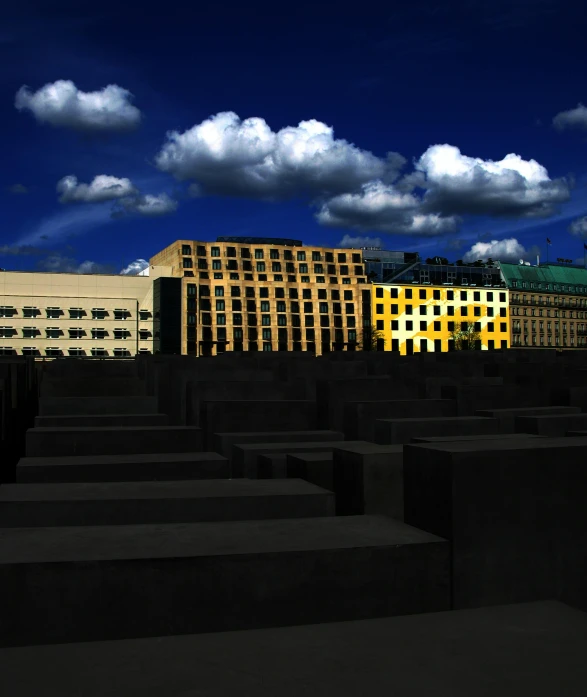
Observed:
{"x":74,"y":313}
{"x":572,"y":314}
{"x":55,"y":352}
{"x":278,"y":306}
{"x":450,"y":294}
{"x":437,"y":310}
{"x":548,"y":300}
{"x":516,"y":327}
{"x":437,"y":326}
{"x":250,"y":292}
{"x":267,"y":320}
{"x":539,"y":341}
{"x":74,"y":333}
{"x":283,"y":335}
{"x":277,"y":278}
{"x":276,"y":267}
{"x":556,"y":287}
{"x":288,"y":254}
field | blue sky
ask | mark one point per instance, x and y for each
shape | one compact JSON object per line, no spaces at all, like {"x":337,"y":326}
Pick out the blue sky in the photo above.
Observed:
{"x":452,"y":128}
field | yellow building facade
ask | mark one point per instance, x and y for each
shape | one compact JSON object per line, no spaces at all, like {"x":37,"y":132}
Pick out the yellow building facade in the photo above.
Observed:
{"x":419,"y":318}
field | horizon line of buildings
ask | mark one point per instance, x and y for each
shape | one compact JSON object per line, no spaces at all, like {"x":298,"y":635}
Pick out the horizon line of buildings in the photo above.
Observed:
{"x":274,"y":294}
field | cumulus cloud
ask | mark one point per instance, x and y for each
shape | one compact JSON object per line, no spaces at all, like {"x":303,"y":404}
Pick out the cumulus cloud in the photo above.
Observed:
{"x":148,"y":205}
{"x":356,"y":242}
{"x":579,"y":227}
{"x":573,"y":118}
{"x":229,"y":156}
{"x":102,"y":188}
{"x":61,"y":103}
{"x":457,"y":184}
{"x":18,"y":189}
{"x":135,"y":268}
{"x":508,"y":250}
{"x":383,"y":208}
{"x":56,"y":263}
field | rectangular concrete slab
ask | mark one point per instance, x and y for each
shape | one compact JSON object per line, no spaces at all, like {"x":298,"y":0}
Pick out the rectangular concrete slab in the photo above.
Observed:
{"x":54,"y":406}
{"x":192,"y":501}
{"x":398,"y":431}
{"x":535,"y":649}
{"x":551,"y":425}
{"x":312,"y":467}
{"x":121,"y":468}
{"x":112,"y":440}
{"x":513,"y":510}
{"x":506,"y":417}
{"x":98,"y":386}
{"x":368,"y":478}
{"x":102,"y":420}
{"x":474,"y":439}
{"x":244,"y":457}
{"x":222,"y":442}
{"x":272,"y":466}
{"x":106,"y":582}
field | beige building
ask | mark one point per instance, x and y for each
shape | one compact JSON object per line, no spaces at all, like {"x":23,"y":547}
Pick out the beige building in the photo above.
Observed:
{"x":66,"y":314}
{"x":260,"y":294}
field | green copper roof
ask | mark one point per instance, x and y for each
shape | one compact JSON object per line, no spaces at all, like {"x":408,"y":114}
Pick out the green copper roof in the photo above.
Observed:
{"x":561,"y":279}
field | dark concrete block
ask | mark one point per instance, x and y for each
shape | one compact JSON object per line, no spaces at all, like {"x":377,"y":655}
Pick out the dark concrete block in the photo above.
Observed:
{"x":101,"y":421}
{"x":474,"y":439}
{"x":58,"y":406}
{"x":122,"y":503}
{"x":511,"y":509}
{"x":533,"y":649}
{"x":368,"y":478}
{"x":506,"y":417}
{"x":272,"y":466}
{"x":552,"y":425}
{"x":127,"y":440}
{"x":397,"y":431}
{"x":313,"y":467}
{"x":123,"y":468}
{"x":117,"y":582}
{"x":222,"y":442}
{"x":95,"y":386}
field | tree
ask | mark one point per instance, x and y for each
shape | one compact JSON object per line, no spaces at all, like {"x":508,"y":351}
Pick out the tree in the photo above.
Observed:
{"x":370,"y":338}
{"x":467,"y":339}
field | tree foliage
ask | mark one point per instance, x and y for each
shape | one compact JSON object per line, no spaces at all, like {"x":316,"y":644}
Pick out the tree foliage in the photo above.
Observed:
{"x":467,"y":339}
{"x":370,"y":338}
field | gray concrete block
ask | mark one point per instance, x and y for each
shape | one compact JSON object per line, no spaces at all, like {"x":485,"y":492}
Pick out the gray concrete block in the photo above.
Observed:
{"x":121,"y":468}
{"x":359,"y":417}
{"x":397,"y":431}
{"x":244,"y":457}
{"x":55,"y":406}
{"x":96,"y":386}
{"x":551,"y":425}
{"x":143,"y":580}
{"x":272,"y":466}
{"x":368,"y":478}
{"x":313,"y":467}
{"x":112,"y":440}
{"x":506,"y":417}
{"x":475,"y":439}
{"x":222,"y":442}
{"x":123,"y":503}
{"x":513,"y":510}
{"x":102,"y":420}
{"x":533,"y":649}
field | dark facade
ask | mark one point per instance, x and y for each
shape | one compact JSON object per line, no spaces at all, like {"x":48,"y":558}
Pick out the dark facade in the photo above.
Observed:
{"x":167,"y":315}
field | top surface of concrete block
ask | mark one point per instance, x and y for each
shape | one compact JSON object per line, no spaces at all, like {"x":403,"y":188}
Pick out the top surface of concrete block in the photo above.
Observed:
{"x":469,"y":446}
{"x":193,"y":489}
{"x":535,"y":649}
{"x":117,"y":542}
{"x":366,"y":448}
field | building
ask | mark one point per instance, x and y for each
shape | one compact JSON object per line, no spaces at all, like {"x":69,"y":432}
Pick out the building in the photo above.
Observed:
{"x":548,"y":305}
{"x":260,"y":294}
{"x":67,"y":314}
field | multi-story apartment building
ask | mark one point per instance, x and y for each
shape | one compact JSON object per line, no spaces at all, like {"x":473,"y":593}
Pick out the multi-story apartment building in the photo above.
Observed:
{"x":261,"y":294}
{"x":67,"y":314}
{"x":548,"y":305}
{"x":421,"y":305}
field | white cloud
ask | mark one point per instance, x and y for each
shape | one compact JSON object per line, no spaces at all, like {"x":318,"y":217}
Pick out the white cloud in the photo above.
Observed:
{"x":102,"y":188}
{"x":68,"y":221}
{"x":61,"y":103}
{"x":357,"y":242}
{"x":381,"y":207}
{"x":148,"y":205}
{"x":573,"y":118}
{"x":457,"y":184}
{"x":579,"y":227}
{"x":225,"y":155}
{"x":136,"y":268}
{"x":509,"y":250}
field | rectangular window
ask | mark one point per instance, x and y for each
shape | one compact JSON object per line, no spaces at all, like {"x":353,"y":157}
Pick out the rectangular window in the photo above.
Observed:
{"x":378,"y":292}
{"x":394,"y":325}
{"x":436,"y":294}
{"x":349,"y":308}
{"x":220,"y":306}
{"x":423,"y":309}
{"x":409,"y":325}
{"x":422,"y":293}
{"x":281,"y":306}
{"x":409,"y":293}
{"x":215,"y":251}
{"x":379,"y":309}
{"x":477,"y":311}
{"x":409,"y":310}
{"x":436,"y":326}
{"x":53,"y":313}
{"x":394,"y":309}
{"x":423,"y":326}
{"x":379,"y":325}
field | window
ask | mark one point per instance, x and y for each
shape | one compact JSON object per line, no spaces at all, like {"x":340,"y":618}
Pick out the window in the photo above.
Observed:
{"x":120,"y":314}
{"x":221,"y":319}
{"x":490,"y":312}
{"x":436,"y":309}
{"x":53,"y":313}
{"x":409,"y":293}
{"x":282,"y":320}
{"x":451,"y":326}
{"x":424,"y":345}
{"x":261,"y":266}
{"x":281,"y":306}
{"x":349,"y":308}
{"x":220,"y":306}
{"x":423,"y":309}
{"x":99,"y":352}
{"x":303,"y":268}
{"x":6,"y":332}
{"x":7,"y":311}
{"x":342,"y":258}
{"x":76,"y":333}
{"x":378,"y":292}
{"x":99,"y":333}
{"x":29,"y":332}
{"x":409,"y":325}
{"x":422,"y":292}
{"x":309,"y":320}
{"x":464,"y":311}
{"x":266,"y":320}
{"x":274,"y":253}
{"x":216,"y":265}
{"x":423,"y":326}
{"x":436,"y":294}
{"x":477,"y":311}
{"x":214,"y":251}
{"x":409,"y":310}
{"x":394,"y":309}
{"x":266,"y":334}
{"x":393,"y":293}
{"x":502,"y":297}
{"x":350,"y":321}
{"x":503,"y":326}
{"x":450,"y":311}
{"x":450,"y":295}
{"x":490,"y":326}
{"x":344,"y":270}
{"x":187,"y":263}
{"x":379,"y":309}
{"x":53,"y":352}
{"x":76,"y":352}
{"x":436,"y":326}
{"x":237,"y":319}
{"x":99,"y":313}
{"x":476,"y":296}
{"x":503,"y":312}
{"x":186,"y":249}
{"x":477,"y":326}
{"x":144,"y":334}
{"x":301,"y":256}
{"x":30,"y":312}
{"x":463,"y":295}
{"x":489,"y":297}
{"x":120,"y":333}
{"x":394,"y":325}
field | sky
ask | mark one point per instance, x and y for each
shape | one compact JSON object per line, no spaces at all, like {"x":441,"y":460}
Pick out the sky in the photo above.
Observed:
{"x":454,"y":129}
